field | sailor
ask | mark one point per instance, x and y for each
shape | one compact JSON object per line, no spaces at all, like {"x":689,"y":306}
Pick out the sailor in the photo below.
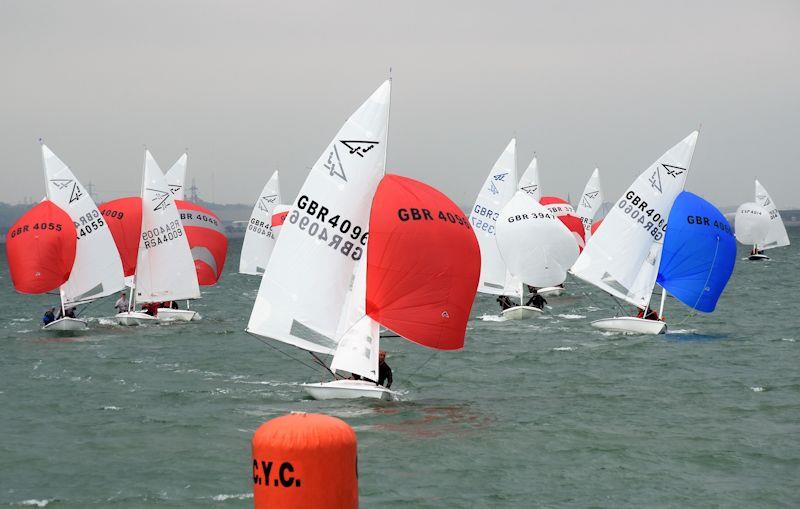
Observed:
{"x":536,"y":300}
{"x":650,"y":315}
{"x":49,"y":316}
{"x":70,"y":312}
{"x":150,"y":308}
{"x":384,"y":371}
{"x":505,"y":302}
{"x":122,"y":303}
{"x":174,"y":304}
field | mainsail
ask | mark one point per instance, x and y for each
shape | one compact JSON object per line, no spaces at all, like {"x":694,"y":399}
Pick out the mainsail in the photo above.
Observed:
{"x":623,"y":256}
{"x":165,"y":269}
{"x":776,"y":236}
{"x":97,"y":271}
{"x":529,"y":182}
{"x":259,"y":239}
{"x":591,"y":200}
{"x":497,"y":190}
{"x":306,"y":281}
{"x":176,"y":176}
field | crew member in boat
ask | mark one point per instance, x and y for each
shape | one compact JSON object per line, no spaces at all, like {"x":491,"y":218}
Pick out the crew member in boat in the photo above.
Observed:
{"x":49,"y":316}
{"x":150,"y":308}
{"x":650,"y":315}
{"x":68,"y":313}
{"x":384,"y":371}
{"x":505,"y":302}
{"x":536,"y":300}
{"x":122,"y":303}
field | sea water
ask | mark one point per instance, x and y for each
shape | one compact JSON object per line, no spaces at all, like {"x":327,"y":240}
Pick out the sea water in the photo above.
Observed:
{"x":541,"y":413}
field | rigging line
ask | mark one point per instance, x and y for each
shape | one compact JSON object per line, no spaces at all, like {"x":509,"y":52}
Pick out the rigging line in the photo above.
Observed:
{"x":313,"y":368}
{"x":319,"y":361}
{"x":693,"y":312}
{"x":423,"y":364}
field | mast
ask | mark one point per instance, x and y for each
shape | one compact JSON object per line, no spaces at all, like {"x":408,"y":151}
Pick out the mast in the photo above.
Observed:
{"x":661,"y":307}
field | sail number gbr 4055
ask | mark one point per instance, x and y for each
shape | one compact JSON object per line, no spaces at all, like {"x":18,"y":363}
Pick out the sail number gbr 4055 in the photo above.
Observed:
{"x":344,"y":236}
{"x":648,"y":218}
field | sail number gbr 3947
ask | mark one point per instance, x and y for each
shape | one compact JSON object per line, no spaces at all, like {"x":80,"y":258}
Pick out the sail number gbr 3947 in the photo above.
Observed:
{"x":320,"y":222}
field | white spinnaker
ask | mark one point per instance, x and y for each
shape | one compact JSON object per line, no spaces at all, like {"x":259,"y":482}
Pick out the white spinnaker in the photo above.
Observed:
{"x":259,"y":239}
{"x":307,"y":278}
{"x":97,"y":270}
{"x":176,"y":176}
{"x":623,"y":256}
{"x":590,"y":202}
{"x":776,"y":236}
{"x":751,"y":224}
{"x":529,"y":182}
{"x":497,"y":190}
{"x":536,"y":246}
{"x":165,"y":269}
{"x":358,"y":334}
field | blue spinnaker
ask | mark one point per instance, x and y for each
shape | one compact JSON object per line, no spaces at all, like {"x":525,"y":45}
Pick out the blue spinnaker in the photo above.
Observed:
{"x":699,"y":253}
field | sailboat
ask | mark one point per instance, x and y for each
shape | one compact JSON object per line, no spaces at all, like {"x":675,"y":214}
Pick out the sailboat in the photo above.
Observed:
{"x":165,"y":270}
{"x":591,"y":200}
{"x":259,"y":239}
{"x":622,"y":258}
{"x":497,"y":190}
{"x":698,"y":255}
{"x":318,"y":294}
{"x":776,"y":235}
{"x":752,"y":228}
{"x":97,"y":271}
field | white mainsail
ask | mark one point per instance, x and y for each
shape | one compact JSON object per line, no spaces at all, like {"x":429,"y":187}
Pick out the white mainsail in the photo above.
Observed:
{"x":176,"y":176}
{"x":529,"y":182}
{"x":752,"y":224}
{"x":776,"y":236}
{"x":623,"y":256}
{"x":165,"y":269}
{"x":536,"y":246}
{"x":306,"y":281}
{"x":259,"y":239}
{"x":591,"y":200}
{"x":497,"y":190}
{"x":97,"y":270}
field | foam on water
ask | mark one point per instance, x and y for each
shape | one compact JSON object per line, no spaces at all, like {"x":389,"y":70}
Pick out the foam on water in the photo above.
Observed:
{"x":571,"y":317}
{"x":492,"y":318}
{"x":237,"y":496}
{"x":33,"y":502}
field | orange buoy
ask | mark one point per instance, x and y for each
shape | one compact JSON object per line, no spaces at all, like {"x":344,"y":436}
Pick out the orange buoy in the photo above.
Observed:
{"x":305,"y":461}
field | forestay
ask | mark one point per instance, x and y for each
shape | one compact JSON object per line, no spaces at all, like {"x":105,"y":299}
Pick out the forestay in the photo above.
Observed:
{"x":776,"y":236}
{"x":752,"y":224}
{"x":165,"y":269}
{"x":623,"y":256}
{"x":529,"y":182}
{"x":306,"y":281}
{"x":537,"y":248}
{"x":259,"y":239}
{"x":497,"y":190}
{"x":176,"y":176}
{"x":591,"y":200}
{"x":699,"y":253}
{"x":97,"y":270}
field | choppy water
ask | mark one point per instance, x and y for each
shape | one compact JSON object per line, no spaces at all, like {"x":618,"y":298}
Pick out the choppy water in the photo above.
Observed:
{"x":546,"y":413}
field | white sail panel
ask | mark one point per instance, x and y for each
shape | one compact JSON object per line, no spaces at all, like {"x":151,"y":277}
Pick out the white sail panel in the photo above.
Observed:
{"x":176,"y":176}
{"x":529,"y":182}
{"x":622,"y":257}
{"x":776,"y":236}
{"x":591,"y":200}
{"x":259,"y":239}
{"x":497,"y":190}
{"x":752,"y":224}
{"x":164,"y":269}
{"x":97,"y":270}
{"x":536,"y":246}
{"x":306,"y":280}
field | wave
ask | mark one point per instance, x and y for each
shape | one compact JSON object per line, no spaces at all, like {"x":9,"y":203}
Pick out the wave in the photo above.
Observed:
{"x":237,"y":496}
{"x":492,"y":318}
{"x":35,"y":502}
{"x":571,"y":317}
{"x":564,"y":349}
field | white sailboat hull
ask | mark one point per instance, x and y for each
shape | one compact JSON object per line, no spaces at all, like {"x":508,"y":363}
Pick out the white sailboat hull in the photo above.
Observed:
{"x":630,"y":325}
{"x":66,"y":324}
{"x":176,"y":315}
{"x":521,"y":312}
{"x":135,"y":318}
{"x":758,"y":257}
{"x":349,"y":389}
{"x":551,"y":291}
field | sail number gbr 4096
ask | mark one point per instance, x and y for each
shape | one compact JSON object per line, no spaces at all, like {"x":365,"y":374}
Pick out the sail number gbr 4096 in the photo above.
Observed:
{"x":344,"y":236}
{"x":648,"y":218}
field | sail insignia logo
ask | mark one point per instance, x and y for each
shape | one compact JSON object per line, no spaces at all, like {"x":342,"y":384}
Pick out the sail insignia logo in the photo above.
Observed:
{"x":264,"y":200}
{"x":501,"y":177}
{"x":445,"y":314}
{"x":161,"y":197}
{"x":174,"y":188}
{"x":589,"y":196}
{"x":655,"y":180}
{"x":358,"y":147}
{"x":493,"y":188}
{"x":673,"y":171}
{"x":77,"y":194}
{"x":61,"y":184}
{"x":530,"y":189}
{"x":762,"y":198}
{"x":334,"y":164}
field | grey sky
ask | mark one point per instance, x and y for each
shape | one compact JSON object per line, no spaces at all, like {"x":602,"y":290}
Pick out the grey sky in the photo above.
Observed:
{"x":251,"y":86}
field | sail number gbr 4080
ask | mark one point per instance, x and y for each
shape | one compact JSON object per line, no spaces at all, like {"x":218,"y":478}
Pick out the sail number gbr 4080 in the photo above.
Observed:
{"x":344,"y":236}
{"x":648,"y":218}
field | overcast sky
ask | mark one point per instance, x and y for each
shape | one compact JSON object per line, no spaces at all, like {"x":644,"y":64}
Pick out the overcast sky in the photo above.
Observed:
{"x":250,"y":87}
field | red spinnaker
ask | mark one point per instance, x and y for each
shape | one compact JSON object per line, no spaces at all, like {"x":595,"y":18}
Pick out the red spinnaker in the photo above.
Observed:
{"x":124,"y":218}
{"x":596,"y":225}
{"x":41,"y":249}
{"x":564,"y":211}
{"x":207,"y":241}
{"x":423,"y":264}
